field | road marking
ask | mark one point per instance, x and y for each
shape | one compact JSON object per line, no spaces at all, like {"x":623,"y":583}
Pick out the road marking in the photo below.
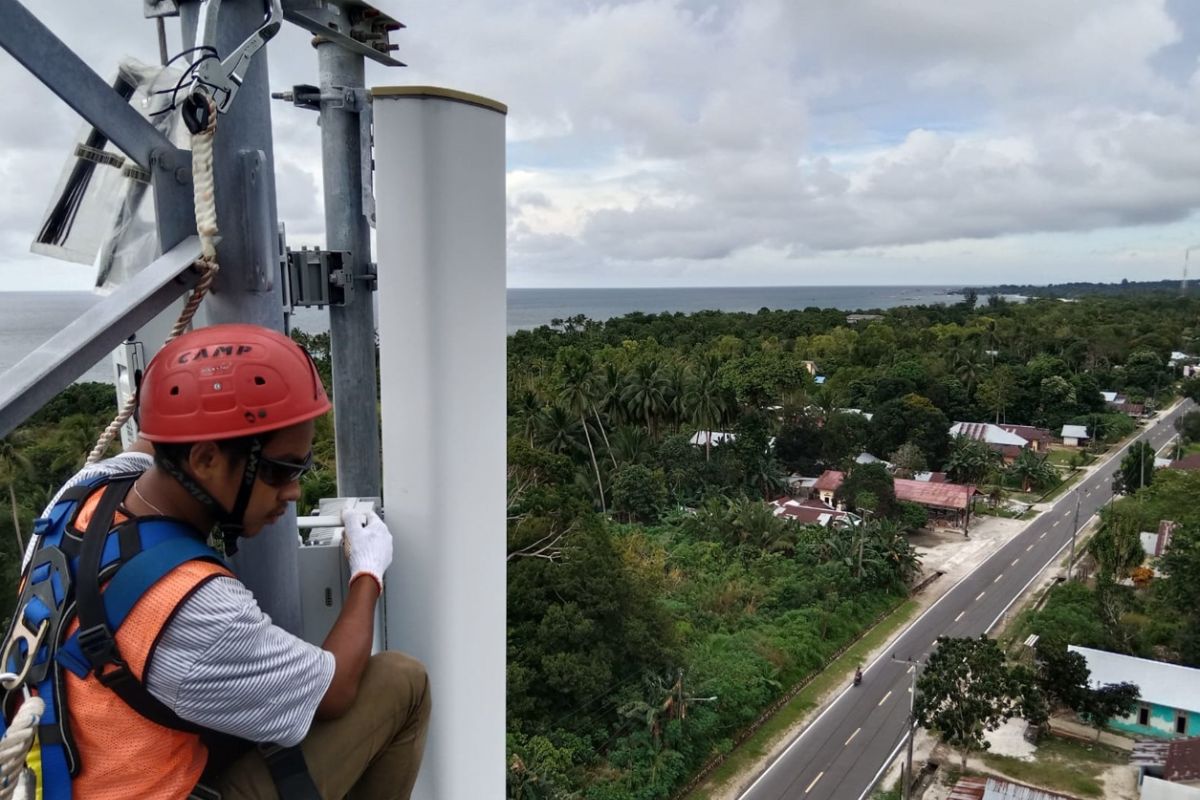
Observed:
{"x":1043,"y":536}
{"x":960,"y":616}
{"x":814,"y":783}
{"x":998,"y":577}
{"x":912,"y":667}
{"x":981,"y":594}
{"x":1027,"y":549}
{"x":885,"y":697}
{"x":1055,"y":524}
{"x":856,"y":730}
{"x":1014,"y":563}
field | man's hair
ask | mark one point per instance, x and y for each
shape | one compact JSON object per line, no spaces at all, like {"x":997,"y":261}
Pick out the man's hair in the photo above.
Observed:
{"x":235,"y":449}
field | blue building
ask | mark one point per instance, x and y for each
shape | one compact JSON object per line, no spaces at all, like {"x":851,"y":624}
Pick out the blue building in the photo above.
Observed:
{"x":1170,"y":704}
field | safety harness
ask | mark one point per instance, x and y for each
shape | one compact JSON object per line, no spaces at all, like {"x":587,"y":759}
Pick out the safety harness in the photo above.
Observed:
{"x":63,"y":582}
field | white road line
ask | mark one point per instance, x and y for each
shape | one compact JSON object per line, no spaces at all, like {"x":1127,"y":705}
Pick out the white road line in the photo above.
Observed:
{"x":887,"y":763}
{"x":911,"y":668}
{"x":885,"y":697}
{"x":1043,"y":536}
{"x":1014,"y":563}
{"x":1027,"y":549}
{"x":1055,"y":524}
{"x":981,"y":594}
{"x":814,"y":783}
{"x":856,"y":730}
{"x":998,"y":577}
{"x":960,"y":616}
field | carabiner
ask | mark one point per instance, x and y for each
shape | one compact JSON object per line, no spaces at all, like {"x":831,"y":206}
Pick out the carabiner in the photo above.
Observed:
{"x":33,"y":643}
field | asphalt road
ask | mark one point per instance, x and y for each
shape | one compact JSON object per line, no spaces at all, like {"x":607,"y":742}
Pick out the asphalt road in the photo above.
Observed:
{"x":842,"y":753}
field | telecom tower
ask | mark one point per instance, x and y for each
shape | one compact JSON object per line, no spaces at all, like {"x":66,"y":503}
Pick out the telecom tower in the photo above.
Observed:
{"x":440,"y":272}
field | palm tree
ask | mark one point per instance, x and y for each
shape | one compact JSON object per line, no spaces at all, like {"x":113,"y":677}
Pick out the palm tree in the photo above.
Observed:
{"x":1032,"y":471}
{"x":527,"y":406}
{"x":576,"y":395}
{"x":645,"y":393}
{"x":676,"y":377}
{"x":704,"y":400}
{"x":558,"y":430}
{"x":14,"y":466}
{"x":632,"y":443}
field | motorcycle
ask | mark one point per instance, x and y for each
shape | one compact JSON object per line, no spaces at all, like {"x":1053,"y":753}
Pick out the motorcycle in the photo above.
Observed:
{"x":858,"y":678}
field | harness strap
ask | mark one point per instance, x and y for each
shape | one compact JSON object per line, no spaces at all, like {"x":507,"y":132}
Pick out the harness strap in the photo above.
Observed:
{"x":95,"y":638}
{"x":289,"y":771}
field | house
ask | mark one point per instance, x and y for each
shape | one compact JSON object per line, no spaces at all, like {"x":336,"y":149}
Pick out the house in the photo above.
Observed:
{"x":800,"y":485}
{"x":1007,"y":443}
{"x":1039,"y":438}
{"x":930,"y":477}
{"x":866,"y":458}
{"x":1167,"y":770}
{"x":1187,"y":462}
{"x":1075,"y":435}
{"x":811,"y":366}
{"x":988,"y":788}
{"x":812,"y":512}
{"x":1178,"y":358}
{"x":866,"y":414}
{"x":701,"y":438}
{"x":1155,"y":543}
{"x":854,"y":319}
{"x":1170,"y":704}
{"x":947,"y":503}
{"x":819,"y":380}
{"x":1118,"y":402}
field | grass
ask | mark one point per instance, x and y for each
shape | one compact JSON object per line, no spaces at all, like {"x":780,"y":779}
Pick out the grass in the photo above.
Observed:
{"x":1062,"y":764}
{"x":1062,"y":487}
{"x":839,"y":671}
{"x":1062,"y":457}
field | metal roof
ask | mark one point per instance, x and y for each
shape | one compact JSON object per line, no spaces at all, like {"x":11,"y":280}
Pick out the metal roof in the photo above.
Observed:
{"x":1075,"y":432}
{"x":987,"y":432}
{"x":938,"y":495}
{"x":1162,"y":684}
{"x":996,"y":789}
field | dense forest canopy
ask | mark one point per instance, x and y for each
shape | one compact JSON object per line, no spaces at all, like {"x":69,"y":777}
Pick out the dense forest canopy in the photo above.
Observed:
{"x":656,"y":604}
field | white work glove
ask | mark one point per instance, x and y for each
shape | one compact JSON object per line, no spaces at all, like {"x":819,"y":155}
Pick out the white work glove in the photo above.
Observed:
{"x":367,"y":544}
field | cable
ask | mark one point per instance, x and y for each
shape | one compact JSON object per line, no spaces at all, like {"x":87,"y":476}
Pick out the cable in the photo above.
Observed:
{"x":206,"y":229}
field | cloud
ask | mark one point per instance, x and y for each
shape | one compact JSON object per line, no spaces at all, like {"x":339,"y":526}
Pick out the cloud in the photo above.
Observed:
{"x":721,"y":141}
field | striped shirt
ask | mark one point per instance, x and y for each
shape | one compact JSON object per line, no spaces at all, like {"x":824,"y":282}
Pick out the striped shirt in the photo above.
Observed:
{"x":220,"y":663}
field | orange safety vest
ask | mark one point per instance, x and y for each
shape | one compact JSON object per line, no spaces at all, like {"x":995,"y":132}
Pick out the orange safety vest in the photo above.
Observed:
{"x":123,"y":754}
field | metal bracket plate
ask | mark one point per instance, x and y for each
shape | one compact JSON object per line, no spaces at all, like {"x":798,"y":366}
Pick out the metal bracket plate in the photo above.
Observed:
{"x":319,"y":277}
{"x":357,"y":26}
{"x":256,"y":216}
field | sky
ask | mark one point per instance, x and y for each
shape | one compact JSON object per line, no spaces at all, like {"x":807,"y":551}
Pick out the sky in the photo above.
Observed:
{"x":755,"y":143}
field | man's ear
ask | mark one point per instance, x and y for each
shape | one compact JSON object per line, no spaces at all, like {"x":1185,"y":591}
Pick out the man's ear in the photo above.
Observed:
{"x":206,"y":460}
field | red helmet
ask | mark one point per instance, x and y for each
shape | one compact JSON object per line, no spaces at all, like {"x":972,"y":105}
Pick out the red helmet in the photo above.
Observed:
{"x":227,"y":381}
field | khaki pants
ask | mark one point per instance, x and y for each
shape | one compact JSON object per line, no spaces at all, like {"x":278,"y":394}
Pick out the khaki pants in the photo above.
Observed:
{"x":373,"y":751}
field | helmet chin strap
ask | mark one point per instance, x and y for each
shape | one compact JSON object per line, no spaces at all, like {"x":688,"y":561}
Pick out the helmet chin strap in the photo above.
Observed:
{"x":231,"y":523}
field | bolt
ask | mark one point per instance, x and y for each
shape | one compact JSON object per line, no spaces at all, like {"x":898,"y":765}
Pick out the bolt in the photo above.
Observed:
{"x":217,"y":387}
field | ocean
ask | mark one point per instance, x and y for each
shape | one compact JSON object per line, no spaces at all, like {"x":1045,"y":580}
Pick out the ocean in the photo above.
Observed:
{"x":27,"y":319}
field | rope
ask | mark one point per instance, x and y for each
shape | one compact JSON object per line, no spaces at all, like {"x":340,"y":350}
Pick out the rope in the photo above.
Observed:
{"x":206,"y":229}
{"x":14,"y":747}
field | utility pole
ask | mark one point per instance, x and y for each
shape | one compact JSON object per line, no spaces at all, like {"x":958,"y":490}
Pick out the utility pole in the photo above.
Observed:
{"x":862,"y":537}
{"x":247,"y":288}
{"x":907,"y":770}
{"x":1074,"y":533}
{"x":352,"y":325}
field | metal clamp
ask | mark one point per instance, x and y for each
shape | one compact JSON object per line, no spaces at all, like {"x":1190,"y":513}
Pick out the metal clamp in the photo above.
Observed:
{"x":33,"y":643}
{"x":219,"y":79}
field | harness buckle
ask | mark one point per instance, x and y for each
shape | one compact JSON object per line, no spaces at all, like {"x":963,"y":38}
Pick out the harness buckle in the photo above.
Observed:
{"x":98,"y":644}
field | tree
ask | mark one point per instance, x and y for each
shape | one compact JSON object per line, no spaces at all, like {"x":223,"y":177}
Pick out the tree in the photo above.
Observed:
{"x":1144,"y":370}
{"x":970,"y":460}
{"x":1108,"y":701}
{"x":965,"y":690}
{"x":1117,"y":549}
{"x":1137,"y":468}
{"x":1188,"y":426}
{"x":639,"y":493}
{"x":578,"y":386}
{"x":844,"y":436}
{"x":868,"y":480}
{"x":1033,"y":471}
{"x":705,"y":400}
{"x":1063,"y":676}
{"x":912,"y":418}
{"x":997,"y":391}
{"x":14,"y":467}
{"x":908,"y":460}
{"x":645,"y":394}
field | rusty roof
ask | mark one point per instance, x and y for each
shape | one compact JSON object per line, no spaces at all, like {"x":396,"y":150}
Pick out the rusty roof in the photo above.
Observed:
{"x":1187,"y":462}
{"x":937,"y":495}
{"x":985,"y":788}
{"x":1183,"y":760}
{"x":829,"y":481}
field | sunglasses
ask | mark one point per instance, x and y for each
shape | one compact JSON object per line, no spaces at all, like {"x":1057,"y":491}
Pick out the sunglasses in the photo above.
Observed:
{"x":278,"y":474}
